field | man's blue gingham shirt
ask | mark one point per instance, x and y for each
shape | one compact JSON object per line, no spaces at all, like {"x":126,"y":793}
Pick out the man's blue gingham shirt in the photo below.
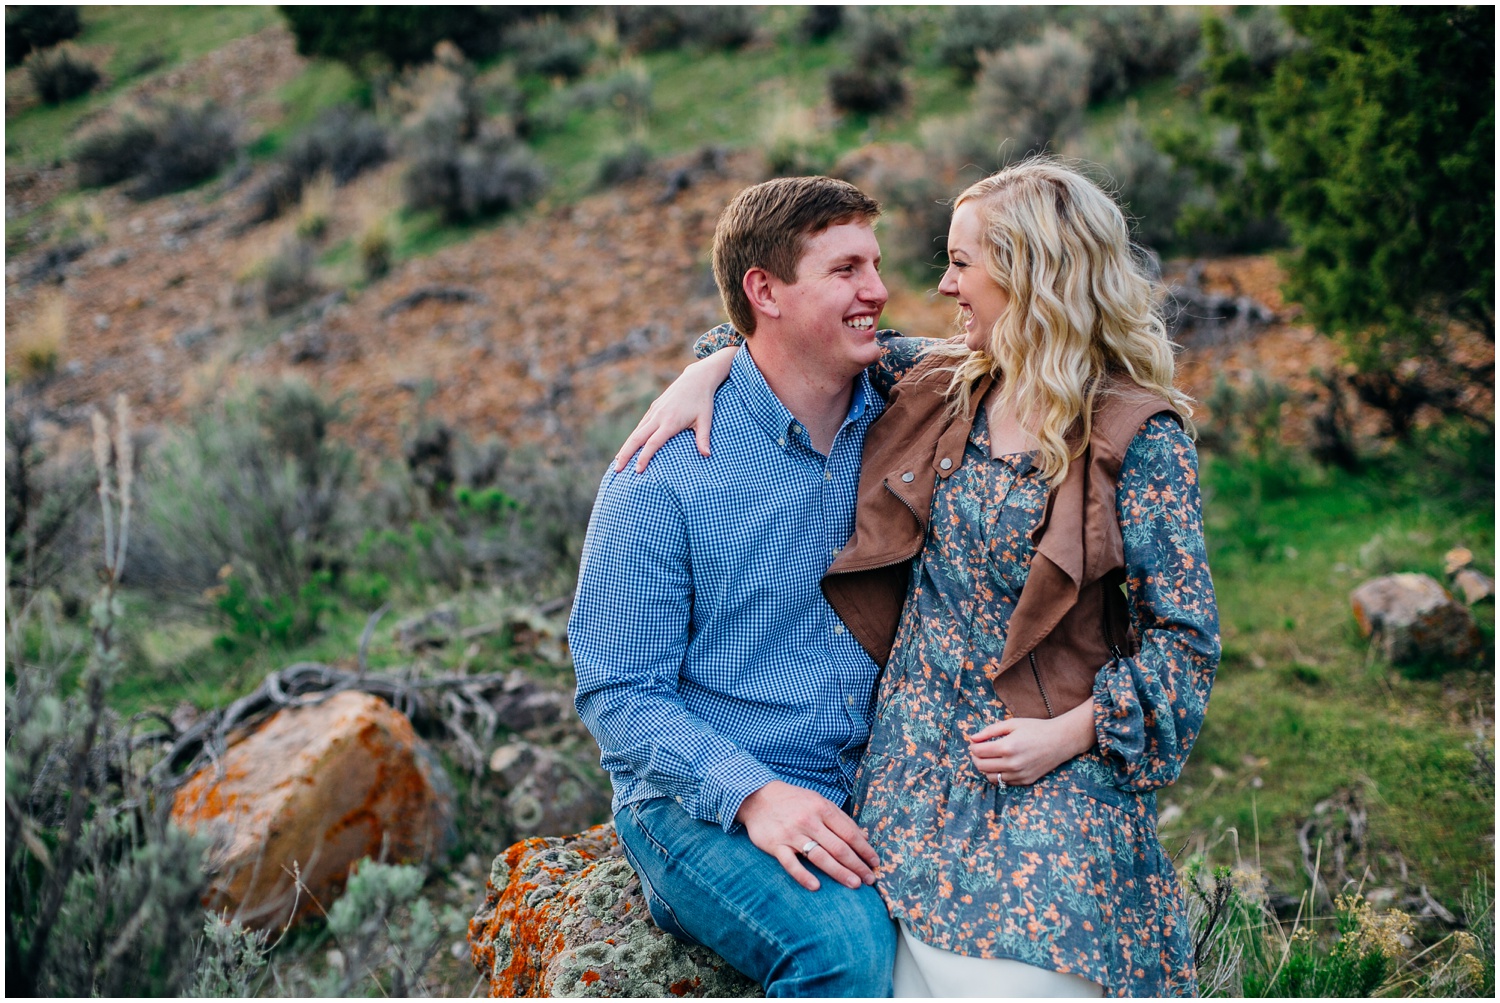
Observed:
{"x":708,"y":661}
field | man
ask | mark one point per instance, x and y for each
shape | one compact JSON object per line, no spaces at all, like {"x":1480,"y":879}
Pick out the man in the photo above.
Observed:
{"x":729,"y":700}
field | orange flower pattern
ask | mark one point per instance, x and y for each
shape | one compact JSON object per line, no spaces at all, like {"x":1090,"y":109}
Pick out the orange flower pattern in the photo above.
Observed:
{"x":1068,"y":873}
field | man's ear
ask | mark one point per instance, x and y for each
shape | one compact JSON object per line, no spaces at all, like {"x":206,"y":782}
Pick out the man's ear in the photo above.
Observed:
{"x":760,"y":289}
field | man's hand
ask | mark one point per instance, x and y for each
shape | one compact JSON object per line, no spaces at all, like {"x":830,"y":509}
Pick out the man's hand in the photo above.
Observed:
{"x":1023,"y":750}
{"x":782,"y":818}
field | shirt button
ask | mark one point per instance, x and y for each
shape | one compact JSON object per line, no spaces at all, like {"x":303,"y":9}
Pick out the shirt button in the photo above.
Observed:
{"x":828,"y":475}
{"x":838,"y":628}
{"x":946,"y":463}
{"x":908,"y":477}
{"x":781,"y":442}
{"x":797,"y":429}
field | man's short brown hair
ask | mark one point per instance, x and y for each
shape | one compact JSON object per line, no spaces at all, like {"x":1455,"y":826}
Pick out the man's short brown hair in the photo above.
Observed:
{"x":767,"y":226}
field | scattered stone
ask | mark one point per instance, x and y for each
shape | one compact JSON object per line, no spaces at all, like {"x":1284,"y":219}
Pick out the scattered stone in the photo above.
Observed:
{"x":116,"y":258}
{"x":545,"y":791}
{"x":194,"y":337}
{"x":523,"y":705}
{"x":305,"y":344}
{"x":1456,"y":559}
{"x":1474,"y":585}
{"x":315,"y":788}
{"x":565,"y":917}
{"x":1412,"y":617}
{"x":101,"y":322}
{"x":53,"y":264}
{"x":443,"y":294}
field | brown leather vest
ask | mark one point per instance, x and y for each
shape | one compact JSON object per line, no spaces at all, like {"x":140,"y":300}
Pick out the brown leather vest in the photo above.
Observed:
{"x":1072,"y":591}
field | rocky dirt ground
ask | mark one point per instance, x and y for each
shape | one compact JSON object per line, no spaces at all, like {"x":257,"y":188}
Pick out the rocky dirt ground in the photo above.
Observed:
{"x":533,"y":329}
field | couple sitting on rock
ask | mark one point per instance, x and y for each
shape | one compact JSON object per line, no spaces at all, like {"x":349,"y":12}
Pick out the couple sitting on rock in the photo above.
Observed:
{"x":879,"y":715}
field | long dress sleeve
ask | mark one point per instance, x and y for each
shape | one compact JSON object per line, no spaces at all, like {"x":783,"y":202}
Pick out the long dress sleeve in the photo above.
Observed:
{"x":1148,"y":708}
{"x":898,"y":353}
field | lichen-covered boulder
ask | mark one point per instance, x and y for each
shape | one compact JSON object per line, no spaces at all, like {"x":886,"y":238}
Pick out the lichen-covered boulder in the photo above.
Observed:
{"x":317,"y":788}
{"x":565,"y":917}
{"x":1413,"y":618}
{"x":545,"y":791}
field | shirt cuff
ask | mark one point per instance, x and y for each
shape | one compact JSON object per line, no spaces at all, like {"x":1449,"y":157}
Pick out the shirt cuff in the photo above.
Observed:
{"x":1119,"y":724}
{"x":727,"y":784}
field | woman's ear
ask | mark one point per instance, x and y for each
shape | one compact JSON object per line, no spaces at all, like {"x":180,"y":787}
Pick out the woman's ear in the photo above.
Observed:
{"x":760,"y":289}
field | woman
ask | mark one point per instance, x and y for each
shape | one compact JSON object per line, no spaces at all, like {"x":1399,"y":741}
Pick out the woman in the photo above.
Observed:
{"x":1020,"y":475}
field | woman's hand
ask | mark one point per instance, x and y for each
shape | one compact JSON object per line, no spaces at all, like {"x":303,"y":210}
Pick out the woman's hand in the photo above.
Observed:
{"x":687,"y":403}
{"x":1022,"y":750}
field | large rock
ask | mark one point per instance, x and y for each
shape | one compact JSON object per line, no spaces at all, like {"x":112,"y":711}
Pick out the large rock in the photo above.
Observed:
{"x":315,"y":787}
{"x":545,"y":791}
{"x":1413,"y":619}
{"x":565,"y":917}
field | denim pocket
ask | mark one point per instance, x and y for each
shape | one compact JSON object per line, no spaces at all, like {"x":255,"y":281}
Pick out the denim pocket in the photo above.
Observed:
{"x":661,"y":913}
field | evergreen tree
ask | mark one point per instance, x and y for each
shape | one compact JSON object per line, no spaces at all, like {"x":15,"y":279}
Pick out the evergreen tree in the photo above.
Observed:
{"x":1372,"y":141}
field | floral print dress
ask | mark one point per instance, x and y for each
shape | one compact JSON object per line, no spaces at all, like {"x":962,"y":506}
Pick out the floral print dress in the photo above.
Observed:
{"x":1066,"y":874}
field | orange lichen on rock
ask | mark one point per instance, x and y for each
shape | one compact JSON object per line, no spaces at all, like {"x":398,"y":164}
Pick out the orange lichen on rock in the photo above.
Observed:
{"x":316,"y":788}
{"x":565,"y":917}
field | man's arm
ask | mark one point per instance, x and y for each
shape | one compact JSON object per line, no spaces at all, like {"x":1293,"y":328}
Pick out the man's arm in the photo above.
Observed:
{"x":629,"y":632}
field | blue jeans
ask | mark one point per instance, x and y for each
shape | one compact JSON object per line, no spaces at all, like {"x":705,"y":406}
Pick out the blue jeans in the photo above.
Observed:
{"x":721,"y":891}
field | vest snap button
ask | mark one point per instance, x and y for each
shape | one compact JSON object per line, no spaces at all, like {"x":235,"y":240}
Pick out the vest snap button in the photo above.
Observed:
{"x":946,"y":463}
{"x":908,"y":477}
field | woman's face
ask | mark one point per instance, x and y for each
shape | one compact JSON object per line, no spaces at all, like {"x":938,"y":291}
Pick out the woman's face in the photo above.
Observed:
{"x":981,"y":301}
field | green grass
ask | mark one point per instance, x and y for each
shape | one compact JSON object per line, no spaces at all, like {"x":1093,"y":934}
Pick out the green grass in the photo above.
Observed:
{"x":168,"y":36}
{"x":321,"y":86}
{"x":1302,"y":711}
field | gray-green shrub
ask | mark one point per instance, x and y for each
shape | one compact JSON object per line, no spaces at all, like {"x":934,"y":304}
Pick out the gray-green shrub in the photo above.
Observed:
{"x":258,"y":483}
{"x":113,"y":153}
{"x":548,"y":48}
{"x":652,"y":29}
{"x":1029,"y":97}
{"x":474,"y":181}
{"x":965,"y":32}
{"x":192,"y":144}
{"x":1147,"y":182}
{"x":871,"y":82}
{"x":168,"y":150}
{"x":627,"y":164}
{"x":1130,"y":45}
{"x":60,"y":74}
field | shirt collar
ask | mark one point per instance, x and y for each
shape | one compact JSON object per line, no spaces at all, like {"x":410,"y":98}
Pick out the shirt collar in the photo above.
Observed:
{"x":772,"y":415}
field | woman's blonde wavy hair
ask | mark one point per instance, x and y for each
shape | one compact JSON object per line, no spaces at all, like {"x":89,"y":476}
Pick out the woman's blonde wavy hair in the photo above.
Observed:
{"x":1082,"y":311}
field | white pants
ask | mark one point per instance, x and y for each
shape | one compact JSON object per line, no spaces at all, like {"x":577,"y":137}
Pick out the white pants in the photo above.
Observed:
{"x":926,"y":971}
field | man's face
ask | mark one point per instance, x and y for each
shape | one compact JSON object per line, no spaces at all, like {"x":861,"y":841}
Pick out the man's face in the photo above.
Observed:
{"x":833,"y":307}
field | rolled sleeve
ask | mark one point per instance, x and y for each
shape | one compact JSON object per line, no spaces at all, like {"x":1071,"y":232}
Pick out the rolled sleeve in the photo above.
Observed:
{"x":1149,"y":708}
